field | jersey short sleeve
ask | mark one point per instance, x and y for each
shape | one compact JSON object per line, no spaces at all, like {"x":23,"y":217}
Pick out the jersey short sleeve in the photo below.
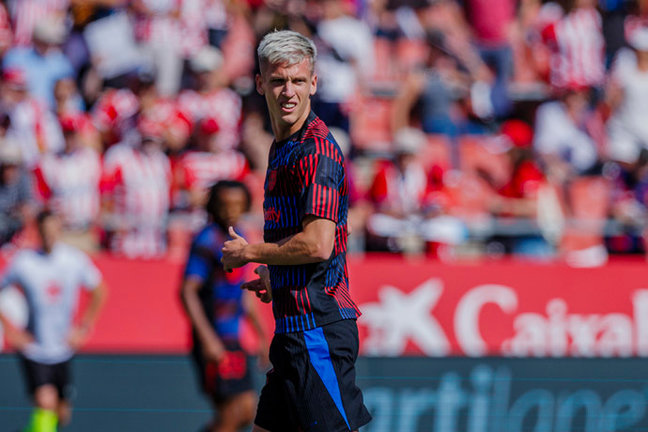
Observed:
{"x":321,"y":174}
{"x":201,"y":256}
{"x":10,"y":275}
{"x":89,"y":273}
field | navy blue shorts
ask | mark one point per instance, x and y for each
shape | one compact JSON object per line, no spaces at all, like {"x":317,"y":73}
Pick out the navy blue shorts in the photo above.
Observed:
{"x":228,"y":378}
{"x":311,"y":387}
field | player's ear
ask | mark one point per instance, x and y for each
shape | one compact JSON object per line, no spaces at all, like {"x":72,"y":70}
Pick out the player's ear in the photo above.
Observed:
{"x":313,"y":89}
{"x":259,"y":83}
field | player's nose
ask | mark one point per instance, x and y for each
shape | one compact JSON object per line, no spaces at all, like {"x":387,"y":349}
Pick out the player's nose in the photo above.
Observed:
{"x":288,"y":89}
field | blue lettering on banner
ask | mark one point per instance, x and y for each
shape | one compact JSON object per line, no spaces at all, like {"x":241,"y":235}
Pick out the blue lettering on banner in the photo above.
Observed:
{"x":491,"y":396}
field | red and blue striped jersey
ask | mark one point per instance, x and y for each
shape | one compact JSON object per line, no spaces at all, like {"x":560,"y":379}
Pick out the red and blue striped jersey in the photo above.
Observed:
{"x":306,"y":176}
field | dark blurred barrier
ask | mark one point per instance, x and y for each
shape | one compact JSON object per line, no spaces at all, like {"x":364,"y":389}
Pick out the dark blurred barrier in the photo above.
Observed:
{"x":410,"y":394}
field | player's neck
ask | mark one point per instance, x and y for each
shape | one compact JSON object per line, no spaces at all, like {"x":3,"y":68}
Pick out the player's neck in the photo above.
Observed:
{"x":283,"y":131}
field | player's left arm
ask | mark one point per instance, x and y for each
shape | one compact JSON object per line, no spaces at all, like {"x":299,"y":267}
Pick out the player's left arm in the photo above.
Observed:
{"x":80,"y":332}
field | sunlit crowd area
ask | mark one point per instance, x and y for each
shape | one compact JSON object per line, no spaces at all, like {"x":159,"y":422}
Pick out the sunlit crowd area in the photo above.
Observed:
{"x":471,"y":128}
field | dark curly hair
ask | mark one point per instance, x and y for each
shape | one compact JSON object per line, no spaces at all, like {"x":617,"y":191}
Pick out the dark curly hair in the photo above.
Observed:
{"x":214,"y":200}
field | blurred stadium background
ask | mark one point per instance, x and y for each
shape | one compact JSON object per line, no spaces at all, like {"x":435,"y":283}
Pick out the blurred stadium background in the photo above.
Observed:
{"x":497,"y":154}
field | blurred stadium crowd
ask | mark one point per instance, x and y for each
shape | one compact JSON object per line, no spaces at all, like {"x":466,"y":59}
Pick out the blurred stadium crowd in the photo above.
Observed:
{"x":471,"y":127}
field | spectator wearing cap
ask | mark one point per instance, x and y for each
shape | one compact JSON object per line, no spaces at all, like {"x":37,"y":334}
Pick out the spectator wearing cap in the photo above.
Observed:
{"x":212,"y":98}
{"x":518,"y":196}
{"x":68,"y":182}
{"x":15,"y":191}
{"x":43,"y":63}
{"x":136,"y":186}
{"x":32,"y":124}
{"x":405,"y":214}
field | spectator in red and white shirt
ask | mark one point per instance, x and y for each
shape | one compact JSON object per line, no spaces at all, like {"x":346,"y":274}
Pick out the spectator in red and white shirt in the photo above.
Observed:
{"x":174,"y":124}
{"x":114,"y":114}
{"x":6,"y":36}
{"x":32,"y":125}
{"x":159,"y":31}
{"x":577,"y":46}
{"x":69,"y":104}
{"x":25,"y":14}
{"x":136,"y":184}
{"x":69,"y":181}
{"x":206,"y":164}
{"x":213,"y":99}
{"x":194,"y":21}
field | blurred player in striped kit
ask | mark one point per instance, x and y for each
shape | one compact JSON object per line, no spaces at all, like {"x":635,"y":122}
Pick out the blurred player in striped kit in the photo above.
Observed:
{"x":312,"y":385}
{"x":51,"y":278}
{"x":215,"y":304}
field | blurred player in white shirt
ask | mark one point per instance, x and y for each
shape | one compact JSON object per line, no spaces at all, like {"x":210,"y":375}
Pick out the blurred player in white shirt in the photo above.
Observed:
{"x":51,"y":279}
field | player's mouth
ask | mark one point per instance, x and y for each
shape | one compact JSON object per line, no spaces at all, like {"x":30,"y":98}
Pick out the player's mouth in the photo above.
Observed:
{"x":288,"y":107}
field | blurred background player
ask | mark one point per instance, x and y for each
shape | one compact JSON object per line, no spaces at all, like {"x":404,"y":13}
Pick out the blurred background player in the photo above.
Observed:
{"x":51,"y":278}
{"x":215,"y":304}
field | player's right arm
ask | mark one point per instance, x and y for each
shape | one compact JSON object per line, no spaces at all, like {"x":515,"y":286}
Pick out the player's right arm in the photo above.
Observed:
{"x":197,"y":271}
{"x":17,"y":337}
{"x":212,"y":346}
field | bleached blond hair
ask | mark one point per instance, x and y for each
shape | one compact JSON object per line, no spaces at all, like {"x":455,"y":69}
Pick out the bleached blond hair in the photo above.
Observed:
{"x":286,"y":46}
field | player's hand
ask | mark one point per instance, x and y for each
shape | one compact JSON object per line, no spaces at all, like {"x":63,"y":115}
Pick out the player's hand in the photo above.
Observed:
{"x":233,"y":251}
{"x":213,"y":350}
{"x":77,"y":337}
{"x":261,"y":286}
{"x":19,"y":339}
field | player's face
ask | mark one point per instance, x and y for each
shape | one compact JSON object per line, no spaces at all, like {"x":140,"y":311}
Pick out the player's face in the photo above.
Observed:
{"x":233,"y":204}
{"x":50,"y":232}
{"x":287,"y":90}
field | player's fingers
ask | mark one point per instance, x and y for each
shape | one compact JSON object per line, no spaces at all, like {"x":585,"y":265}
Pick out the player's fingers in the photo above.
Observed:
{"x":251,"y":285}
{"x":233,"y":233}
